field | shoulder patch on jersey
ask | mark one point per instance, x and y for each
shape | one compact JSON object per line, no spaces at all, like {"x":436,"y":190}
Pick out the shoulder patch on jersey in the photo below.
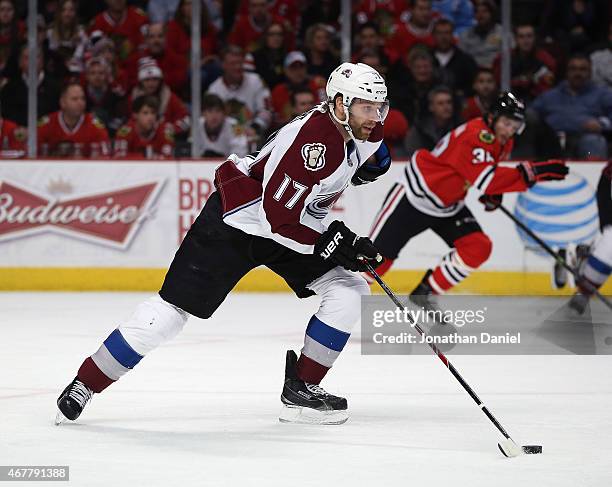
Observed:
{"x":486,"y":137}
{"x":314,"y":156}
{"x":237,"y":129}
{"x":43,"y":120}
{"x":21,"y":134}
{"x":124,"y":130}
{"x":97,"y":123}
{"x":169,"y":132}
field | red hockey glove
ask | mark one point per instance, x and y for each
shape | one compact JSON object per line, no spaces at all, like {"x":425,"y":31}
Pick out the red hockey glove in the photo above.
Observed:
{"x":534,"y":172}
{"x":491,"y":202}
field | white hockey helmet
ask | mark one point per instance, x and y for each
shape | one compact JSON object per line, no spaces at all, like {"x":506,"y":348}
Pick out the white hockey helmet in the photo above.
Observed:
{"x":356,"y":81}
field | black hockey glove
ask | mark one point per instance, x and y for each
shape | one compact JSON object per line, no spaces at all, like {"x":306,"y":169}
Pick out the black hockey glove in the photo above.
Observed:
{"x":491,"y":202}
{"x":344,"y":248}
{"x":369,"y":172}
{"x":534,"y":172}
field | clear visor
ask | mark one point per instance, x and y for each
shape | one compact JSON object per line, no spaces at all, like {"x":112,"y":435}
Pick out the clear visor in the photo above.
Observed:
{"x":369,"y":110}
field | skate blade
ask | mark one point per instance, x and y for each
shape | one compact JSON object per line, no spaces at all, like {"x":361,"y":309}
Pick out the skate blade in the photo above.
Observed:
{"x":60,"y":418}
{"x":302,"y":415}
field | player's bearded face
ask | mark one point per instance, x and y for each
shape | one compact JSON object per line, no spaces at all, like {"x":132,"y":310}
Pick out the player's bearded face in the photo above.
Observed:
{"x":506,"y":128}
{"x":364,"y":115}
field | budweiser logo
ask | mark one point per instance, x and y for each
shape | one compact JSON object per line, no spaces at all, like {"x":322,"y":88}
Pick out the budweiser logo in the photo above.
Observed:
{"x":112,"y":217}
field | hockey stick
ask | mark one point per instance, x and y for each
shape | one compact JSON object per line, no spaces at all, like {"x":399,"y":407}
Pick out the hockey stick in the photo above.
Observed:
{"x":556,"y":256}
{"x":507,"y":446}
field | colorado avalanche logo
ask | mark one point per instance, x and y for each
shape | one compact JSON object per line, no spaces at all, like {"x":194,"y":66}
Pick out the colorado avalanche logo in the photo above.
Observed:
{"x":347,"y":73}
{"x":314,"y":156}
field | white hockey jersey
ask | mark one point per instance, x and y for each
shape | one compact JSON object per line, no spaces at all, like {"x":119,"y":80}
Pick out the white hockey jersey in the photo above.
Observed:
{"x":285,"y":190}
{"x":231,"y":139}
{"x":252,"y":96}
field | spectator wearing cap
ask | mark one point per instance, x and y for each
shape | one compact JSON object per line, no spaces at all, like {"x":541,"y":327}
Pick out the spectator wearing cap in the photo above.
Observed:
{"x":125,"y":25}
{"x":532,"y":69}
{"x":410,"y":79}
{"x":455,"y":67}
{"x":13,"y":139}
{"x":145,"y":136}
{"x":173,"y":65}
{"x":485,"y":91}
{"x":71,"y":132}
{"x":249,"y":28}
{"x":601,"y":62}
{"x":171,"y":108}
{"x":269,"y":58}
{"x":459,"y":12}
{"x":67,"y":37}
{"x":220,"y":135}
{"x":483,"y":41}
{"x":14,"y":94}
{"x":417,"y":30}
{"x":578,"y":109}
{"x":245,"y":95}
{"x":297,"y":78}
{"x":12,"y":32}
{"x":432,"y":125}
{"x":103,"y":99}
{"x":321,"y":58}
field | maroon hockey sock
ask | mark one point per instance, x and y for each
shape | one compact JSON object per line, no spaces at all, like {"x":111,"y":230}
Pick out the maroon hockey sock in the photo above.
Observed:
{"x":310,"y":371}
{"x":92,"y":376}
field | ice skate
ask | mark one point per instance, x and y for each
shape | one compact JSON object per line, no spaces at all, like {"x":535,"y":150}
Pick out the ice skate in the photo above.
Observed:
{"x":579,"y":303}
{"x":308,"y":403}
{"x":72,"y":401}
{"x":424,"y":297}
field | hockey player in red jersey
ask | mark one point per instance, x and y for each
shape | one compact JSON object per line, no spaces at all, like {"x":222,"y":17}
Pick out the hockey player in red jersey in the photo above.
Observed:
{"x":433,"y":187}
{"x":71,"y":132}
{"x":144,"y":136}
{"x":268,"y":210}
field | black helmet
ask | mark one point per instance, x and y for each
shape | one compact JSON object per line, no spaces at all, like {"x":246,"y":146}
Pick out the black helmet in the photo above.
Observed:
{"x":508,"y":105}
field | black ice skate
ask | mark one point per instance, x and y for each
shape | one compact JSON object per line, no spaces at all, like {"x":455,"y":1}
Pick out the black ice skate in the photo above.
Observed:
{"x":308,"y":403}
{"x":578,"y":303}
{"x":423,"y":297}
{"x":72,"y":401}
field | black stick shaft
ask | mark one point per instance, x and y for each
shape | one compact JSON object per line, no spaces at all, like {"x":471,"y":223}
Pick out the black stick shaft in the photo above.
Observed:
{"x":437,"y":352}
{"x":555,"y":255}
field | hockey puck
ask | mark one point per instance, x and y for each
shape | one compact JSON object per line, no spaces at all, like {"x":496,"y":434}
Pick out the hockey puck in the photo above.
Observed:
{"x":532,"y":449}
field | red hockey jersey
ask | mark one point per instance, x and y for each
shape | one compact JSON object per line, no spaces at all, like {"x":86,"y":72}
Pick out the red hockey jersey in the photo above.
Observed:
{"x":158,"y":145}
{"x":87,"y":139}
{"x":127,"y":33}
{"x":286,"y":189}
{"x":12,"y":136}
{"x":437,"y":182}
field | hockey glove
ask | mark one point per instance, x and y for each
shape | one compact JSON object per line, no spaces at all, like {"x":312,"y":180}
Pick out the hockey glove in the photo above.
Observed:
{"x":344,"y":248}
{"x":534,"y":172}
{"x":370,"y":172}
{"x":491,"y":202}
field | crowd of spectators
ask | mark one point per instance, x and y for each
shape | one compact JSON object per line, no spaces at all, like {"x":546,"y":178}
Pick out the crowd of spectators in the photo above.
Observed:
{"x":114,"y":75}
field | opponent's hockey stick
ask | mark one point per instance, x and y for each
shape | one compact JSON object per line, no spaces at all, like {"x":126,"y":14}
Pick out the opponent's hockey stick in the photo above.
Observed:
{"x":507,"y":446}
{"x":556,"y":256}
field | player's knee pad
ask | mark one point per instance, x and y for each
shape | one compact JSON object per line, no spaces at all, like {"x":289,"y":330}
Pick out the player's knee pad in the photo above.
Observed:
{"x":154,"y":322}
{"x":474,"y":248}
{"x":340,"y":292}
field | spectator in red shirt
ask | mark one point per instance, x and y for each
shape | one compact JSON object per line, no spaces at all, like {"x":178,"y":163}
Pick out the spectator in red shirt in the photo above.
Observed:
{"x":151,"y":83}
{"x":179,"y":33}
{"x":173,"y":65}
{"x":297,"y":79}
{"x":319,"y":52}
{"x":12,"y":139}
{"x":144,"y":136}
{"x":418,"y":30}
{"x":71,"y":132}
{"x":12,"y":32}
{"x":485,"y":92}
{"x":532,"y":69}
{"x":104,"y":100}
{"x":124,"y":25}
{"x":248,"y":29}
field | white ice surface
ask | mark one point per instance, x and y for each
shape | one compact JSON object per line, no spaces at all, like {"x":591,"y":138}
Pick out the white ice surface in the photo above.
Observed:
{"x":202,"y":410}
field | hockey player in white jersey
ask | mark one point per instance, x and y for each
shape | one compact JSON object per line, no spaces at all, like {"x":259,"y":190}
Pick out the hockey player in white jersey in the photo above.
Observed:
{"x":597,"y":267}
{"x":268,"y":210}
